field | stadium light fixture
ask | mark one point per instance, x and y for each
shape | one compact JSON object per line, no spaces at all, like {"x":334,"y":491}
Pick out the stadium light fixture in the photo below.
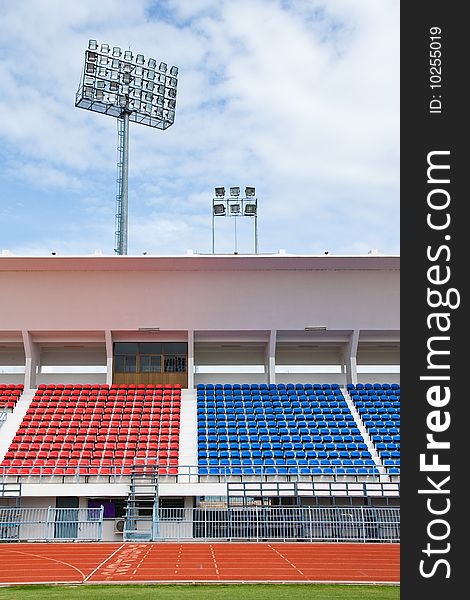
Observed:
{"x":235,"y":192}
{"x":219,"y":209}
{"x":235,"y":206}
{"x":250,"y":209}
{"x":126,"y":87}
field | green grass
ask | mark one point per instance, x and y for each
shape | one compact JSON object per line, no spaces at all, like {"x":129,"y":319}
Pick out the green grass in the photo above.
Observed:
{"x":202,"y":592}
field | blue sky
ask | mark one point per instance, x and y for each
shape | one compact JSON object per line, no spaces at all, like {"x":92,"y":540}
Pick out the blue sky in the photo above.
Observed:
{"x":298,"y":98}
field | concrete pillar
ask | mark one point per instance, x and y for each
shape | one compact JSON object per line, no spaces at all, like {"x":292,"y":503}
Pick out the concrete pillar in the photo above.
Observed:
{"x":351,"y":357}
{"x":109,"y":356}
{"x":271,"y":357}
{"x":190,"y":365}
{"x":31,"y":352}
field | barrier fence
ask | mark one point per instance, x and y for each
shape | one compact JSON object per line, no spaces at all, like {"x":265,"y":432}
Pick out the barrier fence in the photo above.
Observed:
{"x":46,"y":524}
{"x":305,"y":524}
{"x":84,"y":472}
{"x":256,"y":524}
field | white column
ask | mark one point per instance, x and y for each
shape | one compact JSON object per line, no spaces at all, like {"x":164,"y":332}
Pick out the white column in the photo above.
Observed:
{"x":31,"y":360}
{"x":351,"y":357}
{"x":271,"y":357}
{"x":109,"y":356}
{"x":190,"y":365}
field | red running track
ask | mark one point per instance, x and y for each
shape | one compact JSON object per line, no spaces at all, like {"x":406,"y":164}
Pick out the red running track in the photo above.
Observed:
{"x":190,"y":562}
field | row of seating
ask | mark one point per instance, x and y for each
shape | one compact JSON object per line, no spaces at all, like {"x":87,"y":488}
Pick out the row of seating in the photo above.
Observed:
{"x":9,"y":395}
{"x":380,"y":415}
{"x":277,"y":426}
{"x":95,"y":430}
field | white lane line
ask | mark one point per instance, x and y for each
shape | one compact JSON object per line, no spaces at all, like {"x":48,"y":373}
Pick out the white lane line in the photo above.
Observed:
{"x":103,"y":562}
{"x":287,"y":560}
{"x":48,"y":558}
{"x":213,"y":558}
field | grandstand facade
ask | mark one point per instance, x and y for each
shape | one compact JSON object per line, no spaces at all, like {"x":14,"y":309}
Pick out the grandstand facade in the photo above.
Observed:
{"x":200,"y":397}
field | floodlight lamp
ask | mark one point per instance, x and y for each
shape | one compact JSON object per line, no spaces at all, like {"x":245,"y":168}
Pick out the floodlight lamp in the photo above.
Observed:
{"x":171,"y":103}
{"x":152,"y":63}
{"x":249,"y":191}
{"x":92,"y":45}
{"x":220,"y":192}
{"x":139,"y":59}
{"x":127,"y":55}
{"x":219,"y":210}
{"x":117,"y":51}
{"x":234,"y":208}
{"x":105,"y":48}
{"x":174,"y":71}
{"x":171,"y":93}
{"x":250,"y":210}
{"x":162,"y":67}
{"x":235,"y":191}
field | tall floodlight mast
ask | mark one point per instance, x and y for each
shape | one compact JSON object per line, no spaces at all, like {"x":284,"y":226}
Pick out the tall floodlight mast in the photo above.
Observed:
{"x":127,"y":87}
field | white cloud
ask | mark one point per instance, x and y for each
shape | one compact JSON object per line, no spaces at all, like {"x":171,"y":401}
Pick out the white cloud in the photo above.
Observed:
{"x":299,"y":99}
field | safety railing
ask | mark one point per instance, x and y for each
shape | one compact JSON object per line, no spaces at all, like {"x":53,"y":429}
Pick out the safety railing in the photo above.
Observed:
{"x":45,"y":524}
{"x":84,"y":472}
{"x":262,"y":523}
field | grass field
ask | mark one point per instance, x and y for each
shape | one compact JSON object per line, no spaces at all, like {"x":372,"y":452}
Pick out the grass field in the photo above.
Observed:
{"x":202,"y":592}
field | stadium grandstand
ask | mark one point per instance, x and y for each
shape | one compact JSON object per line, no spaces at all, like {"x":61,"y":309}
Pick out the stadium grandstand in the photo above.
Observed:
{"x":200,"y":397}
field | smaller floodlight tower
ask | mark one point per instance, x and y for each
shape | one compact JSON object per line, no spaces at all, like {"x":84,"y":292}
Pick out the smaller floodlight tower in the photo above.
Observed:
{"x":235,"y":206}
{"x":123,"y":85}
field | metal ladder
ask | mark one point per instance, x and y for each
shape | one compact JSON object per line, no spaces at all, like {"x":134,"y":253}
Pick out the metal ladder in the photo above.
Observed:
{"x":141,"y":516}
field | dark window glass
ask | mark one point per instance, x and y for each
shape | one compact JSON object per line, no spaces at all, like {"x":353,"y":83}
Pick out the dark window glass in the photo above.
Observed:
{"x":175,"y":364}
{"x":119,"y":363}
{"x":150,"y":347}
{"x":150,"y":363}
{"x":126,"y":348}
{"x":131,"y":364}
{"x":175,"y":348}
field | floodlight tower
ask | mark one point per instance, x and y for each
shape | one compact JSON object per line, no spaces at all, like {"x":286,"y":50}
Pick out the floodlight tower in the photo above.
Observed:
{"x":235,"y":206}
{"x":125,"y":86}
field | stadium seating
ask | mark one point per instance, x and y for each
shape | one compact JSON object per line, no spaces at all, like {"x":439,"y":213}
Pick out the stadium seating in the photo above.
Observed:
{"x":379,"y":408}
{"x":97,"y":430}
{"x":9,"y":395}
{"x":283,"y":429}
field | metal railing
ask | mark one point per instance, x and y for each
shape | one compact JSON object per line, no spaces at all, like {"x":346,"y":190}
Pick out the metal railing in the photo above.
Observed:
{"x":262,"y":523}
{"x":45,"y":524}
{"x":193,"y":473}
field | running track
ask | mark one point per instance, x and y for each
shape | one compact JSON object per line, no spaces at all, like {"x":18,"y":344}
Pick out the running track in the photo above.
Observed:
{"x":190,"y":562}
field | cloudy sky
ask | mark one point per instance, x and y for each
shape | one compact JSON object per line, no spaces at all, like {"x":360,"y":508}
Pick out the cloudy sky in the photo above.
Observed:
{"x":297,"y":98}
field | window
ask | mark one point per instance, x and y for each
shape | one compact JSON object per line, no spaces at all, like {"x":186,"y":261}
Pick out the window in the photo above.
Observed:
{"x":175,"y":364}
{"x":150,"y":363}
{"x":125,"y":363}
